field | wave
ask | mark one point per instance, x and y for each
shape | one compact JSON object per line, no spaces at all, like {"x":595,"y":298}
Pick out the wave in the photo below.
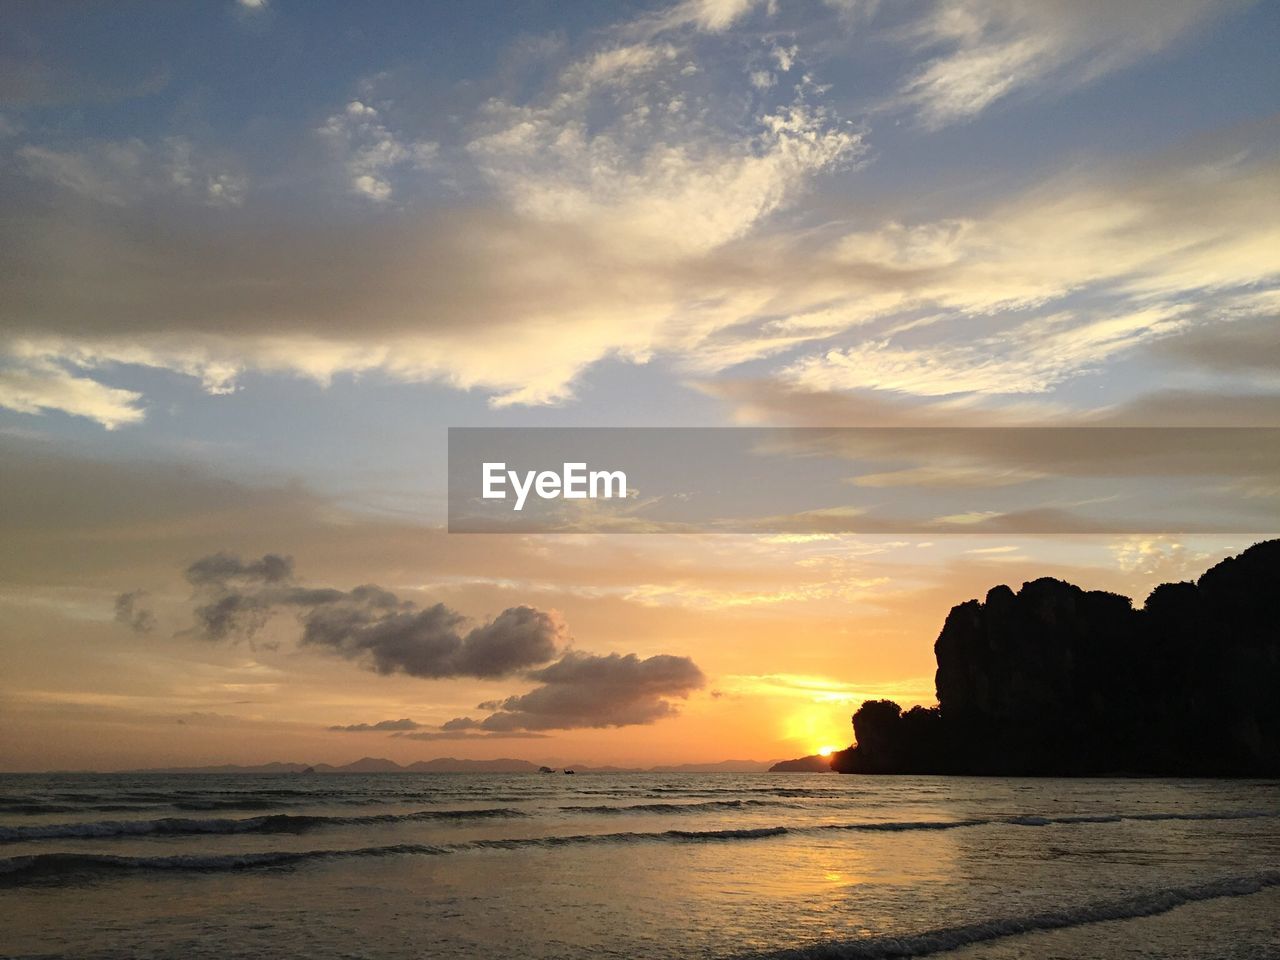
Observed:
{"x":700,"y":807}
{"x":275,"y":823}
{"x":70,"y":865}
{"x":67,"y":866}
{"x":1034,"y":821}
{"x":669,"y":836}
{"x":906,"y":825}
{"x":772,"y":791}
{"x":34,"y":809}
{"x":299,"y":823}
{"x":1037,"y":821}
{"x":211,"y":805}
{"x":64,"y":867}
{"x":1145,"y":904}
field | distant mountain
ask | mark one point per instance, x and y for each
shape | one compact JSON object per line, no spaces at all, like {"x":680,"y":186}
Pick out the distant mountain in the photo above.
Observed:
{"x":450,"y":765}
{"x":365,"y":765}
{"x":368,"y":765}
{"x":275,"y":767}
{"x":810,"y":764}
{"x":724,"y":766}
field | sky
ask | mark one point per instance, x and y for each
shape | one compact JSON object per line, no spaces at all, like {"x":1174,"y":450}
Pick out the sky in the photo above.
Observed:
{"x":258,"y":256}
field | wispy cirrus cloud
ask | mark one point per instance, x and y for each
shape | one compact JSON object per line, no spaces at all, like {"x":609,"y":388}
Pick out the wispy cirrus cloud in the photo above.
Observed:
{"x":599,"y":193}
{"x":43,"y":385}
{"x":983,"y":51}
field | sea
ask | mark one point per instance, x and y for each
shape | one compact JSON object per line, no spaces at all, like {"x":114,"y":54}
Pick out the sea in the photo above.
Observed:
{"x":636,"y":866}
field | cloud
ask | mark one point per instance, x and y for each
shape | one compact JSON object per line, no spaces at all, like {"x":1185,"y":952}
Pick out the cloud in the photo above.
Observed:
{"x":634,"y":207}
{"x":1163,"y":558}
{"x":221,"y":569}
{"x":990,"y":49}
{"x":372,"y":152}
{"x":714,"y":15}
{"x":386,"y":634}
{"x":635,"y":157}
{"x":709,"y":16}
{"x":368,"y":624}
{"x":1194,"y":408}
{"x":761,"y":401}
{"x":122,"y":172}
{"x":583,"y":690}
{"x":131,"y":613}
{"x":41,"y":386}
{"x":1045,"y":287}
{"x":1247,"y":345}
{"x":392,"y":637}
{"x":1032,"y":358}
{"x":30,"y":80}
{"x":382,"y":726}
{"x":595,"y":203}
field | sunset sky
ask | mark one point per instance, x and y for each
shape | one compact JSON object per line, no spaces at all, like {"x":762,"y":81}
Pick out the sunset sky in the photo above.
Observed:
{"x":258,"y":255}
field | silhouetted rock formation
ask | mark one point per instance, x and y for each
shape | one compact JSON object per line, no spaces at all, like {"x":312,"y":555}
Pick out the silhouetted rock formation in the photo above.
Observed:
{"x":1056,"y":680}
{"x":811,"y":764}
{"x":890,"y":741}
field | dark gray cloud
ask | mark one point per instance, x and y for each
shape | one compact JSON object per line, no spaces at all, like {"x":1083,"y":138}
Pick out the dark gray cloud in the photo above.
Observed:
{"x":131,"y":612}
{"x":1247,"y":345}
{"x":1195,"y":408}
{"x":224,"y":568}
{"x":368,"y":624}
{"x":376,"y":628}
{"x":765,"y":401}
{"x":371,"y":625}
{"x":239,"y":595}
{"x":582,"y":690}
{"x":27,"y":80}
{"x":382,"y":726}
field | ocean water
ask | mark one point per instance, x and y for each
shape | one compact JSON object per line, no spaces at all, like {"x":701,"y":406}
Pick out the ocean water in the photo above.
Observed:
{"x":636,"y":866}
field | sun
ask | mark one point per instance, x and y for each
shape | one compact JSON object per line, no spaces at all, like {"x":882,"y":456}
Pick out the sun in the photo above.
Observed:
{"x":826,"y":751}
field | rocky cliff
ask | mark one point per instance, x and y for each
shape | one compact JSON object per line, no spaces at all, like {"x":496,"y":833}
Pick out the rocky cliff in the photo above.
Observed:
{"x":1058,"y":680}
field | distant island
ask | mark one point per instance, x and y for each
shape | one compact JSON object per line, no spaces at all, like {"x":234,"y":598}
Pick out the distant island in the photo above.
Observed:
{"x":1058,"y":681}
{"x":816,"y":763}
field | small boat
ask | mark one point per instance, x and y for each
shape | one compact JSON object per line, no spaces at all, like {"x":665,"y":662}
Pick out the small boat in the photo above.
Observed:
{"x":568,"y":771}
{"x":545,"y":770}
